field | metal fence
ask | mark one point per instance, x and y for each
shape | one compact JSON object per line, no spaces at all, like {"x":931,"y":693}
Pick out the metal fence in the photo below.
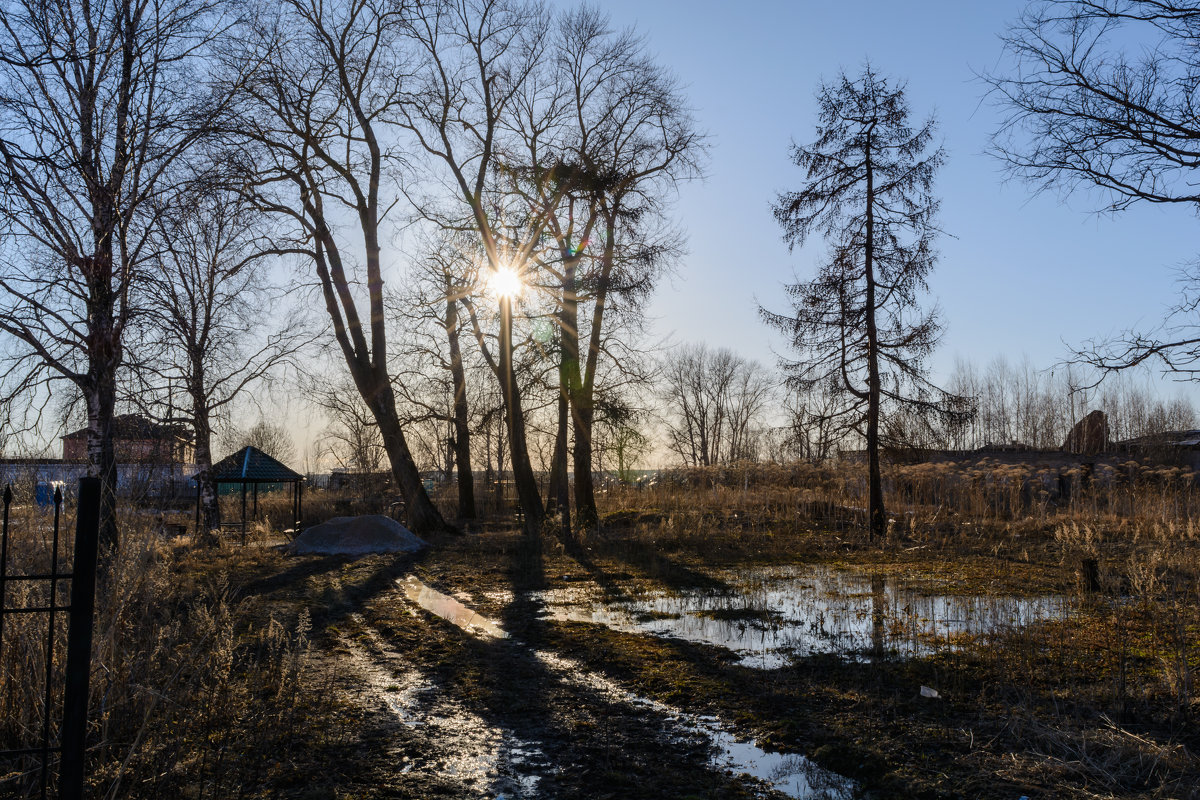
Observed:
{"x":44,"y":675}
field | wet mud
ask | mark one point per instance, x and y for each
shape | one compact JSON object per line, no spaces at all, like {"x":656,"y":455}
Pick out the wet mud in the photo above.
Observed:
{"x":496,"y":666}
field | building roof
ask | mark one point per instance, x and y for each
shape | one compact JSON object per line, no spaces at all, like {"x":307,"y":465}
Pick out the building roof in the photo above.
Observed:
{"x":135,"y":426}
{"x":251,"y":465}
{"x":1165,"y":439}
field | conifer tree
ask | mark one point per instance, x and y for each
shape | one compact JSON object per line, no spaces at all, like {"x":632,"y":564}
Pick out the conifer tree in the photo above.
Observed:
{"x":857,"y":325}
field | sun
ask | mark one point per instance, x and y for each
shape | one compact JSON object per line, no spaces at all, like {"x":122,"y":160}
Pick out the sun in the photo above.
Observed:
{"x":505,"y":282}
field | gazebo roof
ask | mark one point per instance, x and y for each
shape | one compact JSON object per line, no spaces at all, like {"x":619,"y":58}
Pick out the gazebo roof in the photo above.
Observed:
{"x":251,"y":465}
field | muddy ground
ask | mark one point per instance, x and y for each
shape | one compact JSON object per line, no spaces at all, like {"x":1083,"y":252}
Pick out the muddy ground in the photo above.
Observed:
{"x":416,"y":707}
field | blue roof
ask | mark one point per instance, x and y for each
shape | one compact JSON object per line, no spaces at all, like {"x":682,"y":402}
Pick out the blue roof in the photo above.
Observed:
{"x":251,"y":465}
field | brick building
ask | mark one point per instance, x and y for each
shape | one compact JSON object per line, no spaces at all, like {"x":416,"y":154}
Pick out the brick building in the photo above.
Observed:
{"x":137,"y":440}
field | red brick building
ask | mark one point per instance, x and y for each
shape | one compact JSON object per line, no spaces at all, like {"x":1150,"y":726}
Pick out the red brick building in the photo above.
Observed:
{"x":137,"y":440}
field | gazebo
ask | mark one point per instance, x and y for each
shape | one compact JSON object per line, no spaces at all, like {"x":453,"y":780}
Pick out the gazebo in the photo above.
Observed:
{"x":251,"y":467}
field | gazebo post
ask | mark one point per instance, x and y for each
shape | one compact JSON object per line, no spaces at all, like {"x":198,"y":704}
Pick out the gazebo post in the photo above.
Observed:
{"x":299,"y":504}
{"x":243,"y":512}
{"x":256,"y":500}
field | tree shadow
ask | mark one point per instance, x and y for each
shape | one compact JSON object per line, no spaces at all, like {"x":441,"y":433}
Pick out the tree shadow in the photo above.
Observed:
{"x":565,"y":726}
{"x":357,"y":582}
{"x":654,"y":565}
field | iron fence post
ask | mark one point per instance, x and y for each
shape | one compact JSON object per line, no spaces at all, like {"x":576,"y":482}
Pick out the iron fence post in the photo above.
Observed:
{"x":79,"y":640}
{"x":46,"y":711}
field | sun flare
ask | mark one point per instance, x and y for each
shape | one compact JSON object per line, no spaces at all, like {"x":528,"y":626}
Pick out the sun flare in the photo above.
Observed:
{"x":505,"y":282}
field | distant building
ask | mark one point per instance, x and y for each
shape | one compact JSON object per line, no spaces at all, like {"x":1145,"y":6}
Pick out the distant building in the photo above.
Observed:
{"x":1169,"y":447}
{"x":153,"y":460}
{"x":137,"y":440}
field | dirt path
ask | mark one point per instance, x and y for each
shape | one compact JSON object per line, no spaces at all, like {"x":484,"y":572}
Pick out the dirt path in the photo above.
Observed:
{"x":475,"y":716}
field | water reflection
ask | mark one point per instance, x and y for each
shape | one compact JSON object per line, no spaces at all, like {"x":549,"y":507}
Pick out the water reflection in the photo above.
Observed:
{"x":792,"y":774}
{"x":774,"y":615}
{"x":449,"y":608}
{"x":878,"y":614}
{"x":480,"y":755}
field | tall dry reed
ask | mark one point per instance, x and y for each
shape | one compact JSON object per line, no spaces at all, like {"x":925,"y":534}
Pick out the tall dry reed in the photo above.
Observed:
{"x":193,"y":690}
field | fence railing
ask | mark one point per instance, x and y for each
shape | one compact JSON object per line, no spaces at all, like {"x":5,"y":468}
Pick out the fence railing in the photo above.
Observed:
{"x":44,"y":679}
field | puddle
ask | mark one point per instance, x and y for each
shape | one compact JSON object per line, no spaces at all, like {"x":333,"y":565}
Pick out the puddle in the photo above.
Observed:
{"x":790,"y":774}
{"x":772,"y":616}
{"x":485,"y":760}
{"x":449,"y":608}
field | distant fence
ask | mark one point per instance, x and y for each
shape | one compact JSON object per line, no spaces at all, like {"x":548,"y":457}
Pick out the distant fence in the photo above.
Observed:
{"x":44,"y":675}
{"x":138,"y":481}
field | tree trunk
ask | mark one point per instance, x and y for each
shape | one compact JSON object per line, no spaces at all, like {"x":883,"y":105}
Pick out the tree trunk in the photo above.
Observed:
{"x":527,"y":488}
{"x":462,"y":428}
{"x":577,"y":385}
{"x":560,"y":489}
{"x":210,"y":506}
{"x":368,"y":362}
{"x":555,"y":469}
{"x":875,"y":511}
{"x":423,"y":516}
{"x":557,"y":460}
{"x":100,"y":389}
{"x":584,"y":390}
{"x":102,"y":462}
{"x":585,"y":495}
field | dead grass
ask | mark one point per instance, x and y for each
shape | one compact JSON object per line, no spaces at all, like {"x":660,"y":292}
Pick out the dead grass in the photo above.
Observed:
{"x":197,"y":690}
{"x":1103,"y":702}
{"x":204,"y":685}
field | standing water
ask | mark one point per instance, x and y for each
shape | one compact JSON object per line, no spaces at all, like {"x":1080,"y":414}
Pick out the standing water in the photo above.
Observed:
{"x":770,"y":616}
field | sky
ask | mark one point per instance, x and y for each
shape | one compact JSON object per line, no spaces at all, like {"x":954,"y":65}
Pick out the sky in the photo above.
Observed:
{"x":1019,"y":275}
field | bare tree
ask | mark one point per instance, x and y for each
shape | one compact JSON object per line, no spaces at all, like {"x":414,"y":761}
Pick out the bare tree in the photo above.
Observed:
{"x":713,"y":400}
{"x":207,"y":328}
{"x":1037,"y":408}
{"x":474,"y":57}
{"x":272,"y":439}
{"x":313,"y":119}
{"x":693,"y":416}
{"x":1082,"y":112}
{"x":352,"y":435}
{"x":857,"y":324}
{"x":605,"y":135}
{"x":97,"y":102}
{"x":445,"y":275}
{"x":750,"y":392}
{"x":619,"y":433}
{"x":812,"y":430}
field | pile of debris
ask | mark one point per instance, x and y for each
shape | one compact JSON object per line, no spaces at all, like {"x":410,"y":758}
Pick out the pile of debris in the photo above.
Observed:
{"x":358,"y":536}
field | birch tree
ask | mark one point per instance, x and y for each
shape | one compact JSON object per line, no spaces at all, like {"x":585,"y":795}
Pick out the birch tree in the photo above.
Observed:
{"x":208,"y":330}
{"x":98,"y":101}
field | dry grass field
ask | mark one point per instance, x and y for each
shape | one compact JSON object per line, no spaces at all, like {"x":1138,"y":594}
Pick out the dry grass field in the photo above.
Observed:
{"x":245,"y":672}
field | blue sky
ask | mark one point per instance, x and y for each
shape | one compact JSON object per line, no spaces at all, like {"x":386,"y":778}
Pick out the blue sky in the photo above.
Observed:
{"x":1023,"y":273}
